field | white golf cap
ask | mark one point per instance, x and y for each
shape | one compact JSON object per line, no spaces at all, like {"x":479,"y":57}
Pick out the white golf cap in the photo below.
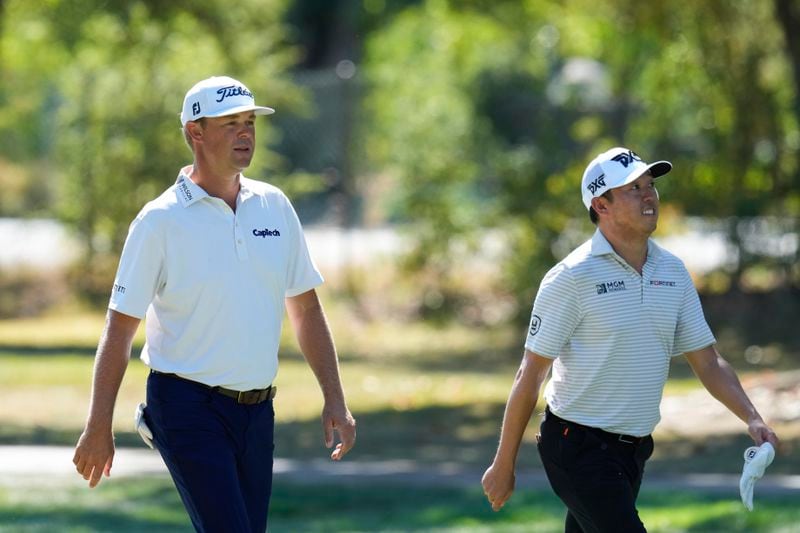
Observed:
{"x":219,"y":96}
{"x":615,"y":168}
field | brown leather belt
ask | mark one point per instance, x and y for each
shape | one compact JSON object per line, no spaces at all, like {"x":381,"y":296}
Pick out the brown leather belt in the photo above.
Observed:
{"x":246,"y":397}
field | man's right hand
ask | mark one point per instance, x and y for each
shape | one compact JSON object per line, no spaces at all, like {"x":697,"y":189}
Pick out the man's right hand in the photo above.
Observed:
{"x":94,"y":455}
{"x":498,"y":485}
{"x":94,"y":452}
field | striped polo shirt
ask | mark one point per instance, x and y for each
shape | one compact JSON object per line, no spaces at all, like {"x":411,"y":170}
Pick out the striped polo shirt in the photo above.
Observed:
{"x":612,"y":333}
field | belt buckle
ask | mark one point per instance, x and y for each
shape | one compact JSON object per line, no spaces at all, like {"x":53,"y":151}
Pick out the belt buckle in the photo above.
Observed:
{"x":626,"y":441}
{"x":251,"y":397}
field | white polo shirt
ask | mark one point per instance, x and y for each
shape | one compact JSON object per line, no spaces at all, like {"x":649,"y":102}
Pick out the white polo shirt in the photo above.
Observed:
{"x":612,"y":332}
{"x":212,"y":282}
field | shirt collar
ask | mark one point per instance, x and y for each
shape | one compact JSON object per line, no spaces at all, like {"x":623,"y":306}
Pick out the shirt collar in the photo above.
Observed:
{"x":188,"y":191}
{"x":245,"y":192}
{"x":601,"y":246}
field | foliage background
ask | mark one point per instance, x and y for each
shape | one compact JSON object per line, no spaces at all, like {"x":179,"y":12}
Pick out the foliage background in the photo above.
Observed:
{"x":465,"y":125}
{"x":451,"y":118}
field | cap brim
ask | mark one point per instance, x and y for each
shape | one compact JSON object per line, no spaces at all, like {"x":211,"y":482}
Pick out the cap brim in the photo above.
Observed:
{"x":659,"y":168}
{"x":258,"y":110}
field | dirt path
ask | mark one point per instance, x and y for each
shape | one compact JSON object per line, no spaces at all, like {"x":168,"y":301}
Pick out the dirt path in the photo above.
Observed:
{"x":695,"y":414}
{"x":55,"y":462}
{"x":776,"y":396}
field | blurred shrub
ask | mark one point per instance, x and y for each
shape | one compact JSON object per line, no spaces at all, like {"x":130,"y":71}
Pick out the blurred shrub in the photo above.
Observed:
{"x":92,"y":280}
{"x":756,"y":329}
{"x":25,"y":292}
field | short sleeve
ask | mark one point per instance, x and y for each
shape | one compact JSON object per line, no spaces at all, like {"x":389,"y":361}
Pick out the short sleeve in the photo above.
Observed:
{"x":555,"y":315}
{"x":140,"y":270}
{"x":692,"y":331}
{"x":302,"y":275}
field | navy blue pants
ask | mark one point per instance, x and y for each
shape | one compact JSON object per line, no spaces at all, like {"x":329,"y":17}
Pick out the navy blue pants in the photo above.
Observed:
{"x":218,"y":452}
{"x":595,"y":474}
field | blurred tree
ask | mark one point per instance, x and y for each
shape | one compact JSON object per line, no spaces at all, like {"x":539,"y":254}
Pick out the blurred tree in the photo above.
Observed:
{"x":787,"y":12}
{"x":487,"y":112}
{"x":107,"y":80}
{"x":460,"y":117}
{"x":727,"y":118}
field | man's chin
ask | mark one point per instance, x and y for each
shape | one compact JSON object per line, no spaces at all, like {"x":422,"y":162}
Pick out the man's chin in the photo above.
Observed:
{"x":242,"y":163}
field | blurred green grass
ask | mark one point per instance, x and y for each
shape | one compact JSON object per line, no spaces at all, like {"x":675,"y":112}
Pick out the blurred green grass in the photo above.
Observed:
{"x":424,"y":392}
{"x":151,"y":503}
{"x":429,"y":393}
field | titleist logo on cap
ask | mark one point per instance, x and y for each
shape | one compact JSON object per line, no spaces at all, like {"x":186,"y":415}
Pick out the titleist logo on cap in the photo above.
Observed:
{"x":232,"y":90}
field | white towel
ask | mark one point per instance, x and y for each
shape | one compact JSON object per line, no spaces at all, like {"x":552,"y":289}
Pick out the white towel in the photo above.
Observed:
{"x":756,"y":460}
{"x":141,"y":425}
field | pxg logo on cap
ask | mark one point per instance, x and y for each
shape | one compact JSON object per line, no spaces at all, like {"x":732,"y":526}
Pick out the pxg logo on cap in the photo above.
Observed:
{"x":219,"y":96}
{"x":615,"y":168}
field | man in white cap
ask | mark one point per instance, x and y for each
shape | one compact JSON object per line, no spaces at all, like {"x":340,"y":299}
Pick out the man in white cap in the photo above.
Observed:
{"x":212,"y":263}
{"x":607,"y":319}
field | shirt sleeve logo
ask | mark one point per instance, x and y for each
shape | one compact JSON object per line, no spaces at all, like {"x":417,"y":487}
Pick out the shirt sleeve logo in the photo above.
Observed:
{"x":536,"y":323}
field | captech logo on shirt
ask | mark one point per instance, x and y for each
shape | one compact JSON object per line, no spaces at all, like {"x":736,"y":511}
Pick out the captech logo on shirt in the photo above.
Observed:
{"x":264,"y":233}
{"x":610,"y":286}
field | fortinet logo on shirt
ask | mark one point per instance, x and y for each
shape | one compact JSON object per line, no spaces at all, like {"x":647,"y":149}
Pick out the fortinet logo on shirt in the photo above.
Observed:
{"x":264,"y":233}
{"x":610,"y":286}
{"x":659,"y":283}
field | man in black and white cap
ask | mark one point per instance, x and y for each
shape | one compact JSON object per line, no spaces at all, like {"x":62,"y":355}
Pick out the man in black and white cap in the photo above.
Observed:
{"x":607,"y":319}
{"x":212,"y":263}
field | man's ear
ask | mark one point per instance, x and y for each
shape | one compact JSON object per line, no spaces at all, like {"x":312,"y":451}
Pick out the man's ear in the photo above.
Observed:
{"x":600,"y":205}
{"x":194,"y":130}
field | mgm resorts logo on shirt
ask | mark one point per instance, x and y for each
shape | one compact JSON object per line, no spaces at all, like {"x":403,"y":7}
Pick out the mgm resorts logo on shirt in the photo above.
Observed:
{"x":610,"y":286}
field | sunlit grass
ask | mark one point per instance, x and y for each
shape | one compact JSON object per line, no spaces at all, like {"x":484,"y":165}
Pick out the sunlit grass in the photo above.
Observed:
{"x":53,"y":391}
{"x":419,"y":391}
{"x":384,"y":366}
{"x":379,"y":340}
{"x":67,"y":328}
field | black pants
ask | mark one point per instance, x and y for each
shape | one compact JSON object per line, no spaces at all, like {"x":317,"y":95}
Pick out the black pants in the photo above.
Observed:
{"x":595,"y":474}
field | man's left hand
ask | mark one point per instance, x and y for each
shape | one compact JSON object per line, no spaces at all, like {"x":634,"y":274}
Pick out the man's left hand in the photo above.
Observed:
{"x":761,"y":433}
{"x":339,"y":420}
